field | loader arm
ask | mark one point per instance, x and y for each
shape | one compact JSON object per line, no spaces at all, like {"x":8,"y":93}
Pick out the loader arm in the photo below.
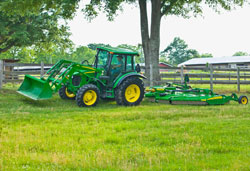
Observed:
{"x":57,"y":76}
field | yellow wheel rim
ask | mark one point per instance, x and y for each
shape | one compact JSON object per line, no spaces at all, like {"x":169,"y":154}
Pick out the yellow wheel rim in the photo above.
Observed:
{"x":132,"y":93}
{"x":69,"y":94}
{"x":244,"y":100}
{"x":89,"y":97}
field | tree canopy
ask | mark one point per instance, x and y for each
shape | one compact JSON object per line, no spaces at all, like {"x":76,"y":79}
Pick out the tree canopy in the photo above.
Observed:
{"x":34,"y":23}
{"x":62,"y":8}
{"x":16,"y":30}
{"x":178,"y":52}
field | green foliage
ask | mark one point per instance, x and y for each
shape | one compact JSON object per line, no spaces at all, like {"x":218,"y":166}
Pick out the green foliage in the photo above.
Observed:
{"x":25,"y":54}
{"x":178,"y":52}
{"x":93,"y":46}
{"x":83,"y":53}
{"x":182,"y":8}
{"x":39,"y":30}
{"x":240,"y":53}
{"x":206,"y":55}
{"x":25,"y":28}
{"x":62,"y":8}
{"x":37,"y":55}
{"x":57,"y":135}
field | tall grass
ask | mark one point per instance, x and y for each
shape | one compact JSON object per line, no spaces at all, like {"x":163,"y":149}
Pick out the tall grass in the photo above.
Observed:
{"x":58,"y":135}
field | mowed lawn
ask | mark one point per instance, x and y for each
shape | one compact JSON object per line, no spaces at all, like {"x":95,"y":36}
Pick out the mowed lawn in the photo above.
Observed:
{"x":58,"y":135}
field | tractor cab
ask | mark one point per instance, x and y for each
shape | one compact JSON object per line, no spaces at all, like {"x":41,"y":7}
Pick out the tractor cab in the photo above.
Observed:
{"x":114,"y":63}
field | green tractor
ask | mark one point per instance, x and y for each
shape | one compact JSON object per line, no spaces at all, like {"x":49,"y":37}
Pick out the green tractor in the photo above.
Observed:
{"x":113,"y":75}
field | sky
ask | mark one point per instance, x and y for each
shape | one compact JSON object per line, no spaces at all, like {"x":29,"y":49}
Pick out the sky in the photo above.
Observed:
{"x":219,"y":34}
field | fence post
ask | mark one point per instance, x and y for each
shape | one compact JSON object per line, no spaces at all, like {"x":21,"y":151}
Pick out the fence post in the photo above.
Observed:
{"x":182,"y":77}
{"x":211,"y":76}
{"x":42,"y":69}
{"x":1,"y":73}
{"x":238,"y":78}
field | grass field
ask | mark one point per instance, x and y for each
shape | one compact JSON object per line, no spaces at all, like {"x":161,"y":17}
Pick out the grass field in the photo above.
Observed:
{"x":58,"y":135}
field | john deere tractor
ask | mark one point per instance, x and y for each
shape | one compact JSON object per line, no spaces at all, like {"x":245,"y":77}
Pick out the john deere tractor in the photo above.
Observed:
{"x":113,"y":75}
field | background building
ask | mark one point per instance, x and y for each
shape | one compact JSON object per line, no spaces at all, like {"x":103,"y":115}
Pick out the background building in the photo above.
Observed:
{"x":223,"y":62}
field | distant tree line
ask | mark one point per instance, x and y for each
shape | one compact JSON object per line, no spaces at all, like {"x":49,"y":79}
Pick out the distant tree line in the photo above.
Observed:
{"x":175,"y":53}
{"x":37,"y":54}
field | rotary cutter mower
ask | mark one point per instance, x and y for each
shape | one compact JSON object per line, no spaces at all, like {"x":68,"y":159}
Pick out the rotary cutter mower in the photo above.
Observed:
{"x":184,"y":94}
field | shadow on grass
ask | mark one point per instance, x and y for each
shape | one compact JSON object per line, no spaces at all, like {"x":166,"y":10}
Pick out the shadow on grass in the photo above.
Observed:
{"x":35,"y":103}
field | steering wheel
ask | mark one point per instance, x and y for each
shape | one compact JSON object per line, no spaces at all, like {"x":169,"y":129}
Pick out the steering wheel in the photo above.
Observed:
{"x":85,"y":61}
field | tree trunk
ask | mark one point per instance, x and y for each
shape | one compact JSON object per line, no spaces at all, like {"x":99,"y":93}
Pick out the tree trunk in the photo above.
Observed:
{"x":151,"y":43}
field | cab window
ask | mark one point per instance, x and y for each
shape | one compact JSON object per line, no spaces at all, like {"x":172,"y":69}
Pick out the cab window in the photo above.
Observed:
{"x":102,"y":59}
{"x":129,"y":65}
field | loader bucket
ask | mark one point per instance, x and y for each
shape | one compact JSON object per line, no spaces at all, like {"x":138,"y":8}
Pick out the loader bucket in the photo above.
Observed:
{"x":35,"y":88}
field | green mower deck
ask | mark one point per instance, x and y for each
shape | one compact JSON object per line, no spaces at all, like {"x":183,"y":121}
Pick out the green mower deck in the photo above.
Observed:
{"x":183,"y":94}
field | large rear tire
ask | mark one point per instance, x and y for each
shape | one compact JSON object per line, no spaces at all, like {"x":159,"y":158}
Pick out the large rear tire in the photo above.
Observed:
{"x":65,"y":94}
{"x":130,"y":92}
{"x":88,"y":95}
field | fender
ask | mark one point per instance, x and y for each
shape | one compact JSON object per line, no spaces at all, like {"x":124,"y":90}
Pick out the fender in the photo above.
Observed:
{"x":122,"y":78}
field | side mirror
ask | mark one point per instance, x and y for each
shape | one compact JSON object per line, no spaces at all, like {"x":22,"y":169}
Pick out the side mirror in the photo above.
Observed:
{"x":137,"y":68}
{"x":85,"y":61}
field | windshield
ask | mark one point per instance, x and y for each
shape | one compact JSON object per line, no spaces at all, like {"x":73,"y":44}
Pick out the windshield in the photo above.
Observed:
{"x":102,"y":59}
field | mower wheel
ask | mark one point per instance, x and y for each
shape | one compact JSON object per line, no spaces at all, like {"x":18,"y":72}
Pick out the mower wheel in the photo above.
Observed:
{"x":130,"y":92}
{"x":243,"y":100}
{"x":65,"y":94}
{"x":88,"y":95}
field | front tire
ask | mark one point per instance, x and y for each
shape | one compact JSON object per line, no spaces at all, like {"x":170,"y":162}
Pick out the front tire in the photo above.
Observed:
{"x":88,"y":95}
{"x":130,"y":92}
{"x":65,"y":94}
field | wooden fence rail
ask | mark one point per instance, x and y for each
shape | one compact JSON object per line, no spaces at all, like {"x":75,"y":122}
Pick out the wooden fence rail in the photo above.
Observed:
{"x":15,"y":72}
{"x":203,"y":75}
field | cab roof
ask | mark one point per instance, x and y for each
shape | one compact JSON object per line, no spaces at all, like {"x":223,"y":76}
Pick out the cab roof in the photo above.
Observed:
{"x":119,"y":50}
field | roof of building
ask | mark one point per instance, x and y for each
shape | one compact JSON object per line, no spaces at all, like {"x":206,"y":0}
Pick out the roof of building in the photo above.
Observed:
{"x":119,"y":50}
{"x":221,"y":60}
{"x":160,"y":63}
{"x":163,"y":63}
